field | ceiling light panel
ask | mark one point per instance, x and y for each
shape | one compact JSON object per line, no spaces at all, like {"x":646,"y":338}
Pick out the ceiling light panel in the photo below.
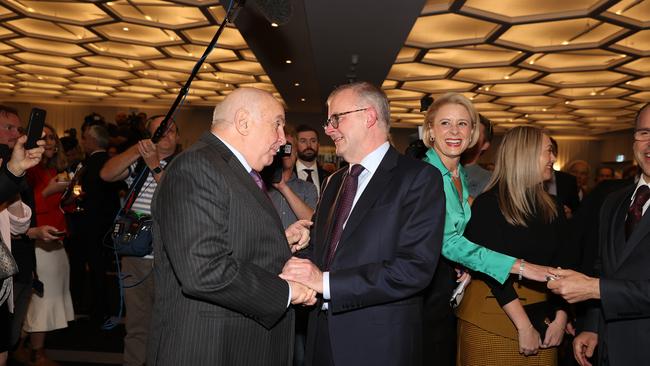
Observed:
{"x":115,"y":50}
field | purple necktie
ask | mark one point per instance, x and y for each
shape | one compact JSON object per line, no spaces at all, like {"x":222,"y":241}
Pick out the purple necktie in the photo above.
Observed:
{"x":343,"y":207}
{"x":635,"y":212}
{"x":258,"y":180}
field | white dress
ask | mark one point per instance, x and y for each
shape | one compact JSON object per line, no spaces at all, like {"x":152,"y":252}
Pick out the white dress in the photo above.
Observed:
{"x":53,"y":310}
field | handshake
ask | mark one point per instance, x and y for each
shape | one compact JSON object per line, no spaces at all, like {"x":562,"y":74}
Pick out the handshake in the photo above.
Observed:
{"x":304,"y":277}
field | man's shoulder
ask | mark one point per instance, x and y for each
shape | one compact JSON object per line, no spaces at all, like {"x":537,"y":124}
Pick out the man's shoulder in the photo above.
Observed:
{"x":416,"y":166}
{"x":619,"y":193}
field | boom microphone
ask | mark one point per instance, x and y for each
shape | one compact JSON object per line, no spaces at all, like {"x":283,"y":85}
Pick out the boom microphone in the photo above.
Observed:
{"x":275,"y":11}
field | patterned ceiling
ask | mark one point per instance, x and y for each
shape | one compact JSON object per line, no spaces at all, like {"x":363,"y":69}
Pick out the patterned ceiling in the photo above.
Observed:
{"x":578,"y":67}
{"x":129,"y":51}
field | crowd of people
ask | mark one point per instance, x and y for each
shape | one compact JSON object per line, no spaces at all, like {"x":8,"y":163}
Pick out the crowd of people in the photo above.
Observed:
{"x":260,"y":258}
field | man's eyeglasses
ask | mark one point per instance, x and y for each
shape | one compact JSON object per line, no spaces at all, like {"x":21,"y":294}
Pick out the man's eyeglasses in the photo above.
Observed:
{"x":642,"y":134}
{"x":334,"y":119}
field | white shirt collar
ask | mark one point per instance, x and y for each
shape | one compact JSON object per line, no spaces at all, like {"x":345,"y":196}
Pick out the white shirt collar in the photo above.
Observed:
{"x":639,"y":184}
{"x":237,"y":154}
{"x":302,"y":165}
{"x":371,"y":161}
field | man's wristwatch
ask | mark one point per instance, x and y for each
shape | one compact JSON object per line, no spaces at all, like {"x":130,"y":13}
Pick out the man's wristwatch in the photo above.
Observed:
{"x":157,"y":170}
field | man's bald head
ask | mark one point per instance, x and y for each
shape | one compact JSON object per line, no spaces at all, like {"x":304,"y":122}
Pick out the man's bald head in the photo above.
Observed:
{"x":252,"y":122}
{"x":246,"y":98}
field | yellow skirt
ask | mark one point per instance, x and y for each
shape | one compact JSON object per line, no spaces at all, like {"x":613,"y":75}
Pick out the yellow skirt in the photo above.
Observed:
{"x":477,"y":347}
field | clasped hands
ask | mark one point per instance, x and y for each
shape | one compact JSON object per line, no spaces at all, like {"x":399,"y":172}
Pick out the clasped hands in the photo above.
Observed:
{"x":305,"y":279}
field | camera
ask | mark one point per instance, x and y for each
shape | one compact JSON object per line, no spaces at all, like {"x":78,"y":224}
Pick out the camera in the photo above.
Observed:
{"x":284,"y":150}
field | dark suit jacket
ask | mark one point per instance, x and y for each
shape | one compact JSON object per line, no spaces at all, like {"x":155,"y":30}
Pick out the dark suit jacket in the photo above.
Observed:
{"x":386,"y":256}
{"x":219,"y":247}
{"x":623,"y":319}
{"x":567,"y":190}
{"x":10,"y":185}
{"x":101,"y":200}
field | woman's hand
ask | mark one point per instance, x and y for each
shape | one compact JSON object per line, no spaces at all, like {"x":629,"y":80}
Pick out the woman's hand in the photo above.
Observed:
{"x":529,"y":341}
{"x":54,"y":186}
{"x":555,"y":330}
{"x":42,"y":233}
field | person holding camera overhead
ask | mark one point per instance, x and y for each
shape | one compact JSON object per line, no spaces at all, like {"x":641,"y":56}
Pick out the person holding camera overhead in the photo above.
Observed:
{"x":293,"y":198}
{"x":139,"y":298}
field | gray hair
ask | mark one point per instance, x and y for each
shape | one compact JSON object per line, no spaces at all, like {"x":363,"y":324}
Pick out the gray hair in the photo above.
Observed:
{"x":100,"y":134}
{"x":371,"y":94}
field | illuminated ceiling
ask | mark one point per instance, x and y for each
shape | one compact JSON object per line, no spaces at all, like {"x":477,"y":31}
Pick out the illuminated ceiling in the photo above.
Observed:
{"x":574,"y":67}
{"x":578,"y":67}
{"x":120,"y":52}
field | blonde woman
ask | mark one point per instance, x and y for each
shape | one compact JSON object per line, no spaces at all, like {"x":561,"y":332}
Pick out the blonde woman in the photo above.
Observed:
{"x":519,"y":322}
{"x":451,"y":127}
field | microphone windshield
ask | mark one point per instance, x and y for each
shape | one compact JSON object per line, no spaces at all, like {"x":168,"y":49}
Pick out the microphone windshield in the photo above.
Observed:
{"x":275,"y":11}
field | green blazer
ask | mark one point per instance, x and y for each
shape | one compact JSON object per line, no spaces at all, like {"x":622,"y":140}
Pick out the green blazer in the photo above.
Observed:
{"x":455,"y":246}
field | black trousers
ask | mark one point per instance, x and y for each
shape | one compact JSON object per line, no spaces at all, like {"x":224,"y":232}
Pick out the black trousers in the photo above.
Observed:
{"x":323,"y":347}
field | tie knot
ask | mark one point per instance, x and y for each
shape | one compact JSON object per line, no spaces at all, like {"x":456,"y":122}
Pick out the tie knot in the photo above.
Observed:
{"x":308,"y":171}
{"x":641,"y":196}
{"x":258,"y":179}
{"x":356,"y":169}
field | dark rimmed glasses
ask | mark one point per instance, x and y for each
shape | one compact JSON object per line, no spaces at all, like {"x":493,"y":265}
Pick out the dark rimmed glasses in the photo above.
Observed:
{"x":335,"y":118}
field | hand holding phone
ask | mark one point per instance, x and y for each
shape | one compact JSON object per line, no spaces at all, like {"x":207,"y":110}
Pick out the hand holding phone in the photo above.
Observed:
{"x":58,"y":233}
{"x":35,"y":127}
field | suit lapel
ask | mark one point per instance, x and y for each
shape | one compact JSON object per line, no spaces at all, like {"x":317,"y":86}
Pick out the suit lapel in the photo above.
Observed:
{"x":616,"y":234}
{"x":640,"y":231}
{"x":328,"y":203}
{"x":375,"y":187}
{"x":240,"y":173}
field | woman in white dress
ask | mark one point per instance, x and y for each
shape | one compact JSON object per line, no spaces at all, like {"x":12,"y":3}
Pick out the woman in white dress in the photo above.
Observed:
{"x":54,"y":309}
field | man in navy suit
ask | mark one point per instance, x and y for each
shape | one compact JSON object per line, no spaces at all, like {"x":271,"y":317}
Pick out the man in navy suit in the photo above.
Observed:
{"x":370,"y":263}
{"x":620,"y":323}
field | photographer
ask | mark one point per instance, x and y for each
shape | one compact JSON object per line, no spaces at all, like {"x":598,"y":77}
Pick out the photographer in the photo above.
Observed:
{"x":293,"y":198}
{"x":139,"y":298}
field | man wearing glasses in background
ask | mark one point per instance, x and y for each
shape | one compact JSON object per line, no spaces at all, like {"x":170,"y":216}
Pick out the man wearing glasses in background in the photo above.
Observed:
{"x":620,"y":320}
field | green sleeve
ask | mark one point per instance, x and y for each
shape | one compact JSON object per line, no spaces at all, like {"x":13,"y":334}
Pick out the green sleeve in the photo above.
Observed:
{"x":458,"y":249}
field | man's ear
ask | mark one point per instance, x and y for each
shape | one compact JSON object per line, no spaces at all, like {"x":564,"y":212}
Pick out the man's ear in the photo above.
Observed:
{"x":486,"y":145}
{"x":242,"y":121}
{"x":371,"y":117}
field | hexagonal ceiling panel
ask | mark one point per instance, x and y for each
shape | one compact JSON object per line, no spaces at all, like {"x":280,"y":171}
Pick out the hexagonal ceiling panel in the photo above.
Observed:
{"x":574,"y":67}
{"x":109,"y":51}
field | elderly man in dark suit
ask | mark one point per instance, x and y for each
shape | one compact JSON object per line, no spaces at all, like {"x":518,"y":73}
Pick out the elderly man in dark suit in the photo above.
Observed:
{"x":220,"y":246}
{"x":620,"y":324}
{"x":376,"y":241}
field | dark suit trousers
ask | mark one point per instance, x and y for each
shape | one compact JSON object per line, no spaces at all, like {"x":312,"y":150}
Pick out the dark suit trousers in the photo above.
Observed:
{"x":322,"y":347}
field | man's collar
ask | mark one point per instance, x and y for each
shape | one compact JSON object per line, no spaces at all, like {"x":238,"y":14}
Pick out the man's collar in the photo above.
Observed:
{"x":236,"y":152}
{"x":300,"y":164}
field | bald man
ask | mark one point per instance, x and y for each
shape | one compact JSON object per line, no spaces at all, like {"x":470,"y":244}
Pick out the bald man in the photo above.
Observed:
{"x":220,"y":246}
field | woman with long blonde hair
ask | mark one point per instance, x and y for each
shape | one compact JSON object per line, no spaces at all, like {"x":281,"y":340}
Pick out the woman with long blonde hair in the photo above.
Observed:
{"x":518,"y":322}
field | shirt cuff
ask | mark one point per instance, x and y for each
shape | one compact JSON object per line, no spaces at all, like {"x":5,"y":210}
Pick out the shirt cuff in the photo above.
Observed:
{"x":326,"y":285}
{"x":289,"y":300}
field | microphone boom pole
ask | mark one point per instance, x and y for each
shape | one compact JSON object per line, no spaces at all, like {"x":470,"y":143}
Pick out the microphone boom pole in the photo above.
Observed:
{"x":235,"y":5}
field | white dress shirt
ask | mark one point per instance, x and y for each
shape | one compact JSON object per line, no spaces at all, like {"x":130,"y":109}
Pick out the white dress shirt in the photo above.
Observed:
{"x":302,"y":174}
